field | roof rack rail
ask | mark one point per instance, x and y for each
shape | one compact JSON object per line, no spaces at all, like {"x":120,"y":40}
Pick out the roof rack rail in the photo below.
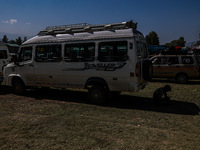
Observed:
{"x":84,"y":27}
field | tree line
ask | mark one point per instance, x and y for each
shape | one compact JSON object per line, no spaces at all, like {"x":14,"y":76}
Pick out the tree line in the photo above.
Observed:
{"x":18,"y":41}
{"x":153,"y":39}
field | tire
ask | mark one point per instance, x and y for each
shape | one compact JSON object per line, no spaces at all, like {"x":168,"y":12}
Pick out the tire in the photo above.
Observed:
{"x":18,"y":87}
{"x":97,"y":95}
{"x":182,"y":78}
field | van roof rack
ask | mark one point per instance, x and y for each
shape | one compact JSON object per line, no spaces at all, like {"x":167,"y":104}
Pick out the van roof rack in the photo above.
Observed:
{"x":84,"y":27}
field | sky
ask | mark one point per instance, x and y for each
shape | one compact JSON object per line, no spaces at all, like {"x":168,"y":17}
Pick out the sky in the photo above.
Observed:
{"x":170,"y":19}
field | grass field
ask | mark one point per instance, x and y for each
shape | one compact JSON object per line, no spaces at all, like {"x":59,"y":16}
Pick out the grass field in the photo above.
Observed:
{"x":64,"y":119}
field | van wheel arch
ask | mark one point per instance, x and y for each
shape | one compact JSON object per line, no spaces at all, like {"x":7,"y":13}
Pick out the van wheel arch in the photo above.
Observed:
{"x":97,"y":90}
{"x":96,"y":82}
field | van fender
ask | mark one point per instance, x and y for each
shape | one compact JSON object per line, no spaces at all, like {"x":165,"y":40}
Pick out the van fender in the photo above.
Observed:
{"x":12,"y":78}
{"x":96,"y":81}
{"x":97,"y":90}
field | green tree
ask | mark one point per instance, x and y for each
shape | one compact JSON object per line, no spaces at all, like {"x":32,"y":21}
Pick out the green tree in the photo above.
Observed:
{"x":198,"y":43}
{"x":25,"y":39}
{"x":19,"y":41}
{"x":180,"y":42}
{"x":12,"y":42}
{"x":152,"y":38}
{"x":5,"y":39}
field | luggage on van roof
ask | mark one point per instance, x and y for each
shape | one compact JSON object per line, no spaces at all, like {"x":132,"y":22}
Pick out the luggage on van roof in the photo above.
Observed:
{"x":83,"y":32}
{"x":84,"y":27}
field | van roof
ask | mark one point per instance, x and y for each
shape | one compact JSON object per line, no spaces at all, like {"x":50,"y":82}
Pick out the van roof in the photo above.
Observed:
{"x":83,"y":36}
{"x":83,"y":32}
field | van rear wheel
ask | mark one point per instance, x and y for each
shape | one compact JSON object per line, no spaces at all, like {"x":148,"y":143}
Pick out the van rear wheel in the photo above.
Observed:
{"x":97,"y":95}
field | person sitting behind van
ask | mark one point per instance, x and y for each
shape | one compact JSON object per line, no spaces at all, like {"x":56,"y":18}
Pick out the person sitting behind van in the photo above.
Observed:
{"x":160,"y":95}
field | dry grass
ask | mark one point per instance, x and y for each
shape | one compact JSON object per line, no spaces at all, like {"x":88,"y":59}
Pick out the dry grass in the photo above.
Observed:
{"x":64,"y":119}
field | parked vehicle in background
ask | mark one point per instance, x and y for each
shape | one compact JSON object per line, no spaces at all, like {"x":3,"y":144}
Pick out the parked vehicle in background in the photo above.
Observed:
{"x":100,"y":58}
{"x":180,"y":67}
{"x":156,"y":49}
{"x":196,"y":51}
{"x":4,"y":58}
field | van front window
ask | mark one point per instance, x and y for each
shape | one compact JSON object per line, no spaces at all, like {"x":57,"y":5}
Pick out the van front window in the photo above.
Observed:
{"x":48,"y":53}
{"x":25,"y":54}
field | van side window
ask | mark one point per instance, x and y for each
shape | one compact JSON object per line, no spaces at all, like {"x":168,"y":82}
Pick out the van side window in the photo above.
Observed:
{"x":165,"y":60}
{"x":173,"y":60}
{"x":79,"y":52}
{"x":25,"y":54}
{"x":48,"y":53}
{"x":187,"y":60}
{"x":113,"y":51}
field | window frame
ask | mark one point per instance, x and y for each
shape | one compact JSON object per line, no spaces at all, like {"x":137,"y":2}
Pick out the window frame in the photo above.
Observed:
{"x":78,"y":52}
{"x":23,"y":49}
{"x":48,"y":51}
{"x":187,"y":57}
{"x":173,"y":62}
{"x":115,"y":51}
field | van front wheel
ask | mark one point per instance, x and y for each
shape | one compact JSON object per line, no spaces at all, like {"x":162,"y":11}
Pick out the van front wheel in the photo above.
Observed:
{"x":97,"y":95}
{"x":18,"y":87}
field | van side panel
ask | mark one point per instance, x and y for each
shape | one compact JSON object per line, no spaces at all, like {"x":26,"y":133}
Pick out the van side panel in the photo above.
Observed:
{"x":70,"y":60}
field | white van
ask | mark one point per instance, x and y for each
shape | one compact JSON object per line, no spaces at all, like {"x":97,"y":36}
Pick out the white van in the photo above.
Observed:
{"x":4,"y":58}
{"x":100,"y":58}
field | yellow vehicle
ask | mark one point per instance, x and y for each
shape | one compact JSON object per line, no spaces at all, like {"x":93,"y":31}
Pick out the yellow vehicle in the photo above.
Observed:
{"x":180,"y":67}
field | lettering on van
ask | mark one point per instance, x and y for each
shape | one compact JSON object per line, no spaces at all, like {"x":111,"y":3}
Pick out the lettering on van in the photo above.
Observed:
{"x":98,"y":67}
{"x":104,"y":67}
